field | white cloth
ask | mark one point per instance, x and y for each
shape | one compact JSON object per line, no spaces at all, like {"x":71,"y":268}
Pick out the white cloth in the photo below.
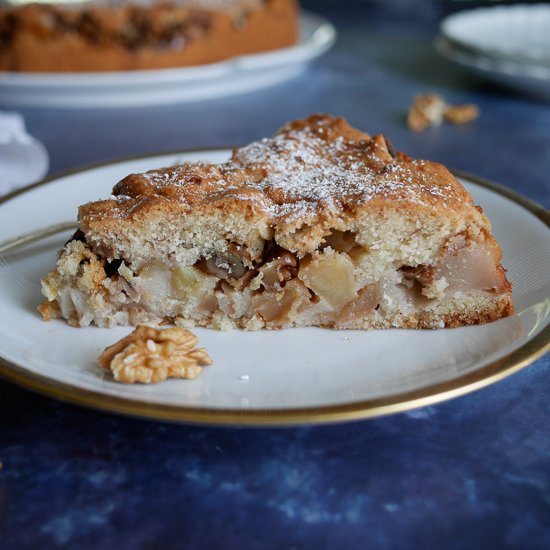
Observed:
{"x":23,"y":159}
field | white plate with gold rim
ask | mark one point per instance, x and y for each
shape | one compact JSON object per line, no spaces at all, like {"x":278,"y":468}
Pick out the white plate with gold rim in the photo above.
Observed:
{"x":291,"y":376}
{"x":163,"y":86}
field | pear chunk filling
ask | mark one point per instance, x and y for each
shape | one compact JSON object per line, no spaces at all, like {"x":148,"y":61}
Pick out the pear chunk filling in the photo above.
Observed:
{"x":338,"y":284}
{"x":341,"y":284}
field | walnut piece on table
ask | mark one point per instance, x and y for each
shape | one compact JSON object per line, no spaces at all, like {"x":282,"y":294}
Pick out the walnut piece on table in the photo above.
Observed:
{"x":461,"y":114}
{"x":426,"y":110}
{"x":149,"y":355}
{"x":431,"y":110}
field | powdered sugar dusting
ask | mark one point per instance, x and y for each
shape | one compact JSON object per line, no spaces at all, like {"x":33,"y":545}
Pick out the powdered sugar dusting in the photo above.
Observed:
{"x":301,"y":169}
{"x":311,"y":167}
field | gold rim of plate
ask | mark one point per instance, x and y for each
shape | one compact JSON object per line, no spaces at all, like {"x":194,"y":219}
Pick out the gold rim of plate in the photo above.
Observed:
{"x":484,"y":376}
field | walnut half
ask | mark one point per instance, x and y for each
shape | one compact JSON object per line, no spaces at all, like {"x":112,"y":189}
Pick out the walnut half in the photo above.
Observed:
{"x":150,"y":355}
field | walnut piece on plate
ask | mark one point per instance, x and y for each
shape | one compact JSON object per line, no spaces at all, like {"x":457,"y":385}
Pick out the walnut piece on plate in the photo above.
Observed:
{"x":150,"y":355}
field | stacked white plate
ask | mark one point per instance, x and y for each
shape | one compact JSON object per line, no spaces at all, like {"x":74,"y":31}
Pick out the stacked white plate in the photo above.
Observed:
{"x":507,"y":44}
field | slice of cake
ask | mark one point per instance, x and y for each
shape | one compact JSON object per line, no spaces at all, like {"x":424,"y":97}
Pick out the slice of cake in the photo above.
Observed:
{"x":320,"y":225}
{"x":115,"y":35}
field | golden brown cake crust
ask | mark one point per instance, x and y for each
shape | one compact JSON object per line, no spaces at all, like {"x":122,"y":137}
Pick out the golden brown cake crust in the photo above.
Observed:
{"x":73,"y":38}
{"x":312,"y":175}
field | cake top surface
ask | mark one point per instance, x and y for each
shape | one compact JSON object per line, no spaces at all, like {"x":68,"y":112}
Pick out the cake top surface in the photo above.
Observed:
{"x":214,"y":5}
{"x":318,"y":166}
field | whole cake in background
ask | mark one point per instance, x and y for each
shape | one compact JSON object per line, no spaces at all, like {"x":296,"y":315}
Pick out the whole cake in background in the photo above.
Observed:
{"x":112,"y":35}
{"x":319,"y":225}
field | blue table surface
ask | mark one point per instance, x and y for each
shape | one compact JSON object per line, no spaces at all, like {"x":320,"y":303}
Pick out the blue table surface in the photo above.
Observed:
{"x":471,"y":472}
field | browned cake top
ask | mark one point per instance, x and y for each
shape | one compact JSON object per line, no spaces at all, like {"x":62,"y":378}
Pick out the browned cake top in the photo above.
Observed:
{"x":319,"y":166}
{"x":130,"y":23}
